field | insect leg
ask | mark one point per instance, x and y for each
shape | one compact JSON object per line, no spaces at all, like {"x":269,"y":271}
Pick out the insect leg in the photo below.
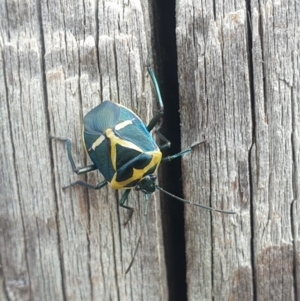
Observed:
{"x":160,"y":112}
{"x":158,"y":117}
{"x":122,"y":202}
{"x":186,"y":151}
{"x":78,"y":171}
{"x":140,"y":237}
{"x":81,"y":170}
{"x":82,"y":183}
{"x":156,"y":86}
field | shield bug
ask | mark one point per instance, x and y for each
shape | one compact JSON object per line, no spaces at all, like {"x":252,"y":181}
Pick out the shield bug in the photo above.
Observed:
{"x":122,"y":149}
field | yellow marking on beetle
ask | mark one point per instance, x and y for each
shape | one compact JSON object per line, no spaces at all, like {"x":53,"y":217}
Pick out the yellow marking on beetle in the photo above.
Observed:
{"x":97,"y":142}
{"x":138,"y":173}
{"x":114,"y":140}
{"x":123,"y":124}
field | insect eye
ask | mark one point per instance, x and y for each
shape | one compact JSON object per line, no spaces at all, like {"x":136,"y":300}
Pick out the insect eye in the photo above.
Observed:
{"x":153,"y":177}
{"x":137,"y":187}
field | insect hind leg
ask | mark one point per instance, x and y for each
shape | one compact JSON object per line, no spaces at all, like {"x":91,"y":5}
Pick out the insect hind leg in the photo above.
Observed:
{"x":78,"y":171}
{"x":81,"y":170}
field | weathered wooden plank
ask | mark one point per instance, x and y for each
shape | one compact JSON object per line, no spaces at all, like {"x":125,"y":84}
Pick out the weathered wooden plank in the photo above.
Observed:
{"x":28,"y":213}
{"x":121,"y":57}
{"x":275,"y":49}
{"x":71,"y":244}
{"x":253,"y":152}
{"x":59,"y":59}
{"x":215,"y":102}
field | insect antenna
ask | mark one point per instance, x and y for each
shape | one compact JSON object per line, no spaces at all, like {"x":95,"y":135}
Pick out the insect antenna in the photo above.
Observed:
{"x":196,"y":204}
{"x":142,"y":231}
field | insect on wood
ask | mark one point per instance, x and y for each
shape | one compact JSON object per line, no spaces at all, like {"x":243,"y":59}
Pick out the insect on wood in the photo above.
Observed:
{"x":122,"y":149}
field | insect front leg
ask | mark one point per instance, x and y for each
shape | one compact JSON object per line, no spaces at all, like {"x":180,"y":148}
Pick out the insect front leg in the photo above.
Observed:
{"x":122,"y":202}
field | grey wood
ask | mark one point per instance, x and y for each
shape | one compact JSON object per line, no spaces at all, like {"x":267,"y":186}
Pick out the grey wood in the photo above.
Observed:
{"x":239,"y":86}
{"x":238,"y":76}
{"x":276,"y":82}
{"x":59,"y":60}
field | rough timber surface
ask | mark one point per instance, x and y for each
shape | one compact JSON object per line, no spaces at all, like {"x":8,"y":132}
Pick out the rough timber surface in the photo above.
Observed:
{"x":239,"y":85}
{"x":59,"y":60}
{"x":238,"y":71}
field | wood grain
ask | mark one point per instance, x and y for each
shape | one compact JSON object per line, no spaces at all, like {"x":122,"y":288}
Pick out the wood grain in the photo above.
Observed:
{"x":58,"y":62}
{"x":239,"y":86}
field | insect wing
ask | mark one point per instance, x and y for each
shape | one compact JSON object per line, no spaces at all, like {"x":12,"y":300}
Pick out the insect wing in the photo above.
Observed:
{"x":101,"y":118}
{"x":117,"y":140}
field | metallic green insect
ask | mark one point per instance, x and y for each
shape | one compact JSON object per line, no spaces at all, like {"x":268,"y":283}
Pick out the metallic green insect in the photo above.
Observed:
{"x":122,"y":149}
